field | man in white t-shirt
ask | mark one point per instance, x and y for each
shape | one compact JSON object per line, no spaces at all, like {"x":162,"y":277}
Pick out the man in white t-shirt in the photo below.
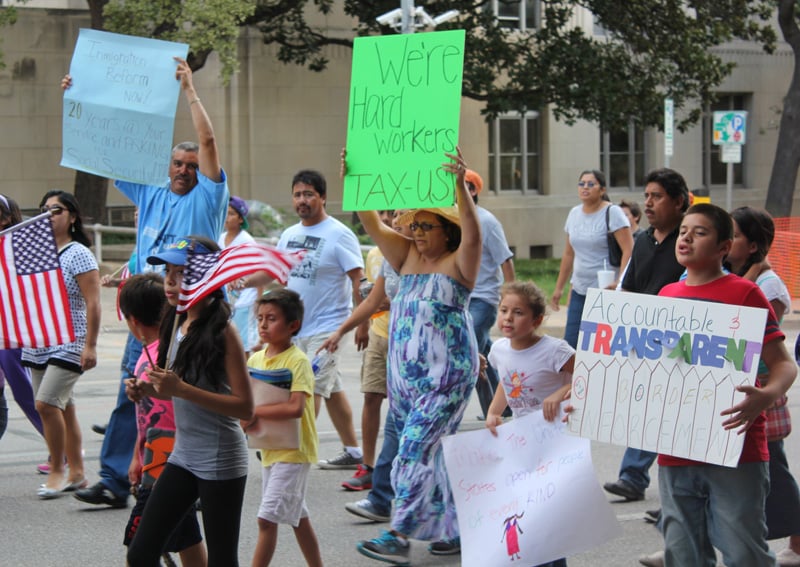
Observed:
{"x":327,"y":281}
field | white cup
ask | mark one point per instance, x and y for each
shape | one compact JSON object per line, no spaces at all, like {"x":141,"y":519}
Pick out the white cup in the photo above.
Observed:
{"x":605,"y":278}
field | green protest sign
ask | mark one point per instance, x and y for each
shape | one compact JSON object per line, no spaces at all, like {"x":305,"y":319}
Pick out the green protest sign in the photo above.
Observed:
{"x":405,"y":104}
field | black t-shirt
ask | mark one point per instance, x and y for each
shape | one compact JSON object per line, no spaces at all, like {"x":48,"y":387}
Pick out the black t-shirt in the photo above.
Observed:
{"x":653,"y":264}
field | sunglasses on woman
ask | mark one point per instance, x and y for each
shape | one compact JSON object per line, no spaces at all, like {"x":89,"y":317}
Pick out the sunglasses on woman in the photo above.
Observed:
{"x":425,"y":226}
{"x":54,"y":210}
{"x":589,"y":184}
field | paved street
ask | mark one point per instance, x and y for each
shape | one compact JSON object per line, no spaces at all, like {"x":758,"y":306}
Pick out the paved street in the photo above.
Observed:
{"x":66,"y":533}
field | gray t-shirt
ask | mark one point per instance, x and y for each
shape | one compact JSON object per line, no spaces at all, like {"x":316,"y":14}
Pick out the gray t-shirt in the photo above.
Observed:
{"x":587,"y":235}
{"x":209,"y":445}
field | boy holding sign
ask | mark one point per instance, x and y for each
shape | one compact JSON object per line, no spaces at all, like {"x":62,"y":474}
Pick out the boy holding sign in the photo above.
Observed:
{"x":703,"y":505}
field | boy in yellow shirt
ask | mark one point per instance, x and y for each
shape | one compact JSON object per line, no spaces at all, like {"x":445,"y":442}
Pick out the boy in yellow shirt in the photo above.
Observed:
{"x":285,"y":473}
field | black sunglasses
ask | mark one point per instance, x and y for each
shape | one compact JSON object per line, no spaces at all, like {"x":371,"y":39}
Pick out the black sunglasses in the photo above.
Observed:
{"x":425,"y":226}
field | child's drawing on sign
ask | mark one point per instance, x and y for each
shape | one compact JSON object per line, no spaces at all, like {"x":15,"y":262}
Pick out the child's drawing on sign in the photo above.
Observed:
{"x":510,"y":528}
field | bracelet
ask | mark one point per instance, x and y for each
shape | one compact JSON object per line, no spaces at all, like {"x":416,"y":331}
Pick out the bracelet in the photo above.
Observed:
{"x":194,"y":101}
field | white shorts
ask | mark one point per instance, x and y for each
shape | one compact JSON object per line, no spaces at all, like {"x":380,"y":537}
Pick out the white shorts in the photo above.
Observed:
{"x":283,"y":493}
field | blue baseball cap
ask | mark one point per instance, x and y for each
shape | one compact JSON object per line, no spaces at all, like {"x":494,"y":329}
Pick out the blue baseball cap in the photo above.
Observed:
{"x":175,"y":252}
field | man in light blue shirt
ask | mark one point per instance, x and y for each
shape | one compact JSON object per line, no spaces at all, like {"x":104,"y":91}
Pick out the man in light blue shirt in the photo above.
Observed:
{"x":193,"y":201}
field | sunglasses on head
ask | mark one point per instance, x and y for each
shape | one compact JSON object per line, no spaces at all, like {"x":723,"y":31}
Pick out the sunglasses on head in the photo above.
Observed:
{"x":54,"y":210}
{"x":425,"y":226}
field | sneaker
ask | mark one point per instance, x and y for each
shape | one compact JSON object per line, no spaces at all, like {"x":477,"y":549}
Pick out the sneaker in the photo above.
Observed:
{"x":342,"y":461}
{"x":653,"y":560}
{"x":362,"y":480}
{"x":99,"y":494}
{"x":366,"y":509}
{"x":445,"y":547}
{"x":387,"y":547}
{"x":788,"y":558}
{"x":625,"y":489}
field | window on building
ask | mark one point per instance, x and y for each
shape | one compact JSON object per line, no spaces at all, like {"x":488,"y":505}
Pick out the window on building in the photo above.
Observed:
{"x":622,"y":154}
{"x":517,"y":14}
{"x":715,"y":172}
{"x":515,"y":153}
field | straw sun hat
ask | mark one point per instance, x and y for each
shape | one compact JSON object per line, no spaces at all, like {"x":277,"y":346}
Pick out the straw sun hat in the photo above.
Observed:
{"x":450,"y":213}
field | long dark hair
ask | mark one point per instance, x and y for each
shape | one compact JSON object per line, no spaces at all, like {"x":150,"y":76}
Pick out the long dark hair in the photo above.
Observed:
{"x":9,"y":212}
{"x":201,"y":353}
{"x":758,"y":228}
{"x":452,"y":232}
{"x":68,"y":200}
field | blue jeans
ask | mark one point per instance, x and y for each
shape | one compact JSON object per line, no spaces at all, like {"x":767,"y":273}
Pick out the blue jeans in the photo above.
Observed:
{"x":635,"y":467}
{"x":574,"y":313}
{"x":708,"y":506}
{"x":783,"y":500}
{"x":382,"y":493}
{"x":484,"y":316}
{"x":120,"y":437}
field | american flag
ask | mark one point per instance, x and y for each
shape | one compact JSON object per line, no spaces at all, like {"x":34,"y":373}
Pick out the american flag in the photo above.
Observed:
{"x":206,"y":272}
{"x":34,"y":306}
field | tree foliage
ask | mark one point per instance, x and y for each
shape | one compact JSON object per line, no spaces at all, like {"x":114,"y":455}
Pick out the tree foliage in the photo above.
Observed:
{"x":651,"y":49}
{"x":206,"y":25}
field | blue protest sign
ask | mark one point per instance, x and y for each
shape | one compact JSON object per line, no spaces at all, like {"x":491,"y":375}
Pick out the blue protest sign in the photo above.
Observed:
{"x":119,"y":113}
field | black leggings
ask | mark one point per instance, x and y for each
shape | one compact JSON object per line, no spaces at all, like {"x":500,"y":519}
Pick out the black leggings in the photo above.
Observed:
{"x":173,"y":494}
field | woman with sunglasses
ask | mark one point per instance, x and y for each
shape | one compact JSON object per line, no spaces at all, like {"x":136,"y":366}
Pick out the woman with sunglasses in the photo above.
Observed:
{"x":586,"y":249}
{"x":55,"y":370}
{"x":432,"y":361}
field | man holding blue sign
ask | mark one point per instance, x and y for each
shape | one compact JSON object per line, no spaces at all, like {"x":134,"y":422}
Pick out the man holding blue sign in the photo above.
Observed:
{"x":192,"y":201}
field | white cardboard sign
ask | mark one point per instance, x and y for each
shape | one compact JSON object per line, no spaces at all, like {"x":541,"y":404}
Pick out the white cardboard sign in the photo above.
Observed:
{"x":654,"y":373}
{"x":527,"y":496}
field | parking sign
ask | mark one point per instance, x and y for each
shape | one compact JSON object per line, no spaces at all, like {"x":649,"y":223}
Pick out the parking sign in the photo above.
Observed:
{"x":730,"y":127}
